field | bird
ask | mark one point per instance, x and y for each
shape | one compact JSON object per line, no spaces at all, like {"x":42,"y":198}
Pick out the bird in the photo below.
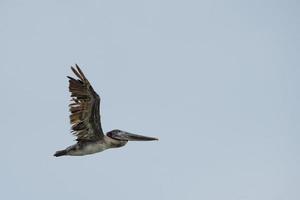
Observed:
{"x":85,"y":121}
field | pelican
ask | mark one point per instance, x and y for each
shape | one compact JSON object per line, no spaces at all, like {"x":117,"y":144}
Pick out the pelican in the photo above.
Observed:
{"x":85,"y":121}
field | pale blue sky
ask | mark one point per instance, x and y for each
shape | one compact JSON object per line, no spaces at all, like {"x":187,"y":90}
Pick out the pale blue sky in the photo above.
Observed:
{"x":216,"y":81}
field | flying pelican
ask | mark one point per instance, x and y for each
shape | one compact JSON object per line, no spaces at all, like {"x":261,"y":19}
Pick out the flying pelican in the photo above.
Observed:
{"x":85,"y":121}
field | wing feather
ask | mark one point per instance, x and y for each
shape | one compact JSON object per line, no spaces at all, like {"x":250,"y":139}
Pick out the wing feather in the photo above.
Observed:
{"x":84,"y":108}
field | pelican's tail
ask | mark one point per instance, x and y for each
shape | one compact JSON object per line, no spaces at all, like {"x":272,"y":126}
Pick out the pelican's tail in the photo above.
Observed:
{"x":60,"y":153}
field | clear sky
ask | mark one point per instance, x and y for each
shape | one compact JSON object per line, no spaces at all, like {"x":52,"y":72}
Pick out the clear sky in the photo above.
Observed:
{"x":216,"y":81}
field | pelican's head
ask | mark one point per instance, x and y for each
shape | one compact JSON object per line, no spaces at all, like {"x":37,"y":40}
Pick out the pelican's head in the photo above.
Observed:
{"x":125,"y":136}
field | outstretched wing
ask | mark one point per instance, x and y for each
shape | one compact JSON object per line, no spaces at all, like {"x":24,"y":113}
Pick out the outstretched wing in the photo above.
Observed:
{"x":84,"y":108}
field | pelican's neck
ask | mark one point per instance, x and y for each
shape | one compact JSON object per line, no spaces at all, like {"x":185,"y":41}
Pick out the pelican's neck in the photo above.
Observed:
{"x":113,"y":143}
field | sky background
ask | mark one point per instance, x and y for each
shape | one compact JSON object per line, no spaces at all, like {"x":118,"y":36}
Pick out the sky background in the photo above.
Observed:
{"x":216,"y":81}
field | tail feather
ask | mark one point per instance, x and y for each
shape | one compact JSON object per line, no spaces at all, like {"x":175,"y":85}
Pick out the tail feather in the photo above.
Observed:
{"x":60,"y":153}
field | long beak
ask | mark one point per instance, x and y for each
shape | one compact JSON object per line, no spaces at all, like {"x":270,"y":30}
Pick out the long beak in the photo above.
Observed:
{"x":134,"y":137}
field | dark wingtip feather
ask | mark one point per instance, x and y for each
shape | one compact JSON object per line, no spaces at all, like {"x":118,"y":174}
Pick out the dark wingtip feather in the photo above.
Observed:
{"x":71,"y":78}
{"x":77,"y":73}
{"x":81,"y":73}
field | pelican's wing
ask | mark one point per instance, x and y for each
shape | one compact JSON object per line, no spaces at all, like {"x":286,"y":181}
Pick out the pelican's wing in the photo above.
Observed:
{"x":84,"y":108}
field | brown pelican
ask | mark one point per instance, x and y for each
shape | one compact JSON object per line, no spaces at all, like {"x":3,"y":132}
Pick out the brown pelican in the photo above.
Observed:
{"x":85,"y":121}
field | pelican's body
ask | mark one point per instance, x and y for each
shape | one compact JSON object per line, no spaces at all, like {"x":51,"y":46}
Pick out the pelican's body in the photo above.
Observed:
{"x":85,"y":120}
{"x":85,"y":148}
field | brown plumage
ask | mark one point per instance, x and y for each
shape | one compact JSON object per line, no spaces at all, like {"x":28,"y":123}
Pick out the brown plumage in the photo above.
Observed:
{"x":84,"y":108}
